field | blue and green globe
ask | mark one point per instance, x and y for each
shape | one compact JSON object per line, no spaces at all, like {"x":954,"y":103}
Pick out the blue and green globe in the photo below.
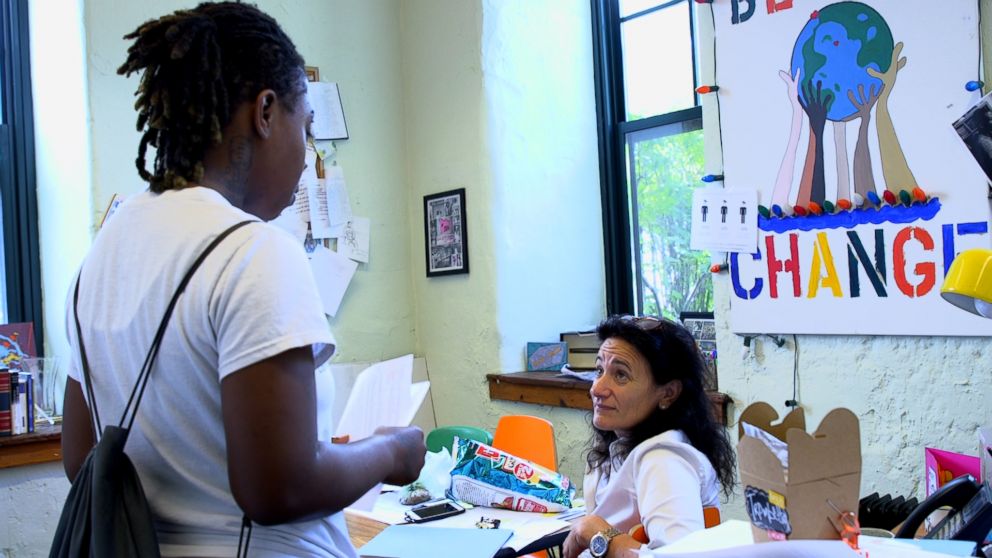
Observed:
{"x":836,"y":47}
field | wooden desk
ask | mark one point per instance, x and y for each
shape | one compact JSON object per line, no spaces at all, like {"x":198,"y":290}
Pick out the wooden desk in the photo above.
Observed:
{"x":41,"y":446}
{"x":551,"y":388}
{"x":362,"y":529}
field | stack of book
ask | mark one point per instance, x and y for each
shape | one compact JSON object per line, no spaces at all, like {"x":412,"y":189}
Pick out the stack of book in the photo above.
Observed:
{"x":582,"y":349}
{"x":16,"y":402}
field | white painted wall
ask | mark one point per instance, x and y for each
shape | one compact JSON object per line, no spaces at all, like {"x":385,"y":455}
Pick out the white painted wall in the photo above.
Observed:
{"x":500,"y":101}
{"x":62,"y":154}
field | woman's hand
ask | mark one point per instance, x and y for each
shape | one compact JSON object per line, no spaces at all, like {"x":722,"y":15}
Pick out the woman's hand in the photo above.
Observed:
{"x":582,"y":530}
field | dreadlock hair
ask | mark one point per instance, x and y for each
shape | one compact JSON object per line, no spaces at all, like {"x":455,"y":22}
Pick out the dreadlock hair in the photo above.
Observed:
{"x":672,"y":354}
{"x":197,"y":67}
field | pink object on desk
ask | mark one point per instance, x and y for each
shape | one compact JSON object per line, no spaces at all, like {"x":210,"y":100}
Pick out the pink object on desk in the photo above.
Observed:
{"x":942,"y":466}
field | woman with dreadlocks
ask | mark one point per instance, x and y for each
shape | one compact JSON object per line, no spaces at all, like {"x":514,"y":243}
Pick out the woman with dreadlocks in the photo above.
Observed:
{"x":226,"y":427}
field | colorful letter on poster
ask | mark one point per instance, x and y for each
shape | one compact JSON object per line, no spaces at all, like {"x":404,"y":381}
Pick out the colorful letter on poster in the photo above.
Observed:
{"x":851,"y":102}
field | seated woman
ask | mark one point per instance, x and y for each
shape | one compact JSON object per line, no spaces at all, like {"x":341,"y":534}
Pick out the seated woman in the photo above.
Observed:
{"x":658,"y":455}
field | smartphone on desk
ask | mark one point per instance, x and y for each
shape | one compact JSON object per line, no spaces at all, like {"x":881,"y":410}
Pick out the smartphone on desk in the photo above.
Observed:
{"x":429,"y":511}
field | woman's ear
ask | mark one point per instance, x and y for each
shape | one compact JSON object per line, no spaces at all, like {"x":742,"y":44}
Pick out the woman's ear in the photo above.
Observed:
{"x":670,"y":393}
{"x":263,"y":111}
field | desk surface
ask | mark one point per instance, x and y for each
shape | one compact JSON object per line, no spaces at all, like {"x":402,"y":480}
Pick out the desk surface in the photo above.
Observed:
{"x":362,"y":529}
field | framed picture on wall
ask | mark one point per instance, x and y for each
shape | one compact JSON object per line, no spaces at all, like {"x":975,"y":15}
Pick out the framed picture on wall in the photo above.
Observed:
{"x":445,"y":233}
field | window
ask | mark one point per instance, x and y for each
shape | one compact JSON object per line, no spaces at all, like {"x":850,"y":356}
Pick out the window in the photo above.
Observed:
{"x":651,"y":155}
{"x":20,"y":282}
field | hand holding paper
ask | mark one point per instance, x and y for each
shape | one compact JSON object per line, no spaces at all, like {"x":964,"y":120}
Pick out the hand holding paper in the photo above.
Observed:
{"x":382,"y":399}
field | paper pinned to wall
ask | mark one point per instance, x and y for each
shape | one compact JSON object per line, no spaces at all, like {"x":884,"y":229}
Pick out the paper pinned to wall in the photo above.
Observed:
{"x":332,"y":273}
{"x":724,"y":220}
{"x":354,"y":240}
{"x":328,"y":114}
{"x":324,"y":148}
{"x":320,"y":217}
{"x":295,"y":218}
{"x":338,"y":203}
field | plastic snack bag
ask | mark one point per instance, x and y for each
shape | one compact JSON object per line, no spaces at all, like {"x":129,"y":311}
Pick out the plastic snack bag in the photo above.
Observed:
{"x":486,"y":476}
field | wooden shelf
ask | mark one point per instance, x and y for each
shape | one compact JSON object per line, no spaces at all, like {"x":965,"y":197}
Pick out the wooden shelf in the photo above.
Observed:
{"x":556,"y":390}
{"x":41,"y":446}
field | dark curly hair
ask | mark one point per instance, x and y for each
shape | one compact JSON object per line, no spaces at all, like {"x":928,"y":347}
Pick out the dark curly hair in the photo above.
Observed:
{"x":198,"y":65}
{"x":673,"y":354}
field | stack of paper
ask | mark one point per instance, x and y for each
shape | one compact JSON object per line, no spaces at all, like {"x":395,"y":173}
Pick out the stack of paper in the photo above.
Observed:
{"x":383,"y":395}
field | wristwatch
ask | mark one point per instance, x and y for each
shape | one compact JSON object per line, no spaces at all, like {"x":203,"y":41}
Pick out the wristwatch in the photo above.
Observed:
{"x":599,"y":544}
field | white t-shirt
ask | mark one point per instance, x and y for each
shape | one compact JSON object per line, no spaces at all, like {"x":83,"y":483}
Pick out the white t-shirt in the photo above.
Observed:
{"x":663,"y":484}
{"x":254,"y":297}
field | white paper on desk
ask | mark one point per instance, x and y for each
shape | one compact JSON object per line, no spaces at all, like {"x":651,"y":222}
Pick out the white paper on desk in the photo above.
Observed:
{"x":354,"y":241}
{"x":338,"y":203}
{"x":320,"y":216}
{"x":383,"y":395}
{"x":728,"y":534}
{"x":527,"y":527}
{"x":332,"y":272}
{"x":328,"y":114}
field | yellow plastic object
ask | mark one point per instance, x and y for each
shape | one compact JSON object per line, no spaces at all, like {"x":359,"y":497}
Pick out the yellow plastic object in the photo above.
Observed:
{"x":444,"y":436}
{"x":528,"y":437}
{"x":968,"y":284}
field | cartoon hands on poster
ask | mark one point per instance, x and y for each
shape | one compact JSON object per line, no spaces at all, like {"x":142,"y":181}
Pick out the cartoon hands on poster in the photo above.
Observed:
{"x":817,"y":104}
{"x":792,"y":84}
{"x":889,"y":76}
{"x":862,"y":103}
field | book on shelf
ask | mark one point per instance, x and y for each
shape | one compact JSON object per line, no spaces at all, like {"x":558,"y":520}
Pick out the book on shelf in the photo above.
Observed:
{"x":28,"y":380}
{"x":18,"y":403}
{"x":5,"y":418}
{"x":583,"y":346}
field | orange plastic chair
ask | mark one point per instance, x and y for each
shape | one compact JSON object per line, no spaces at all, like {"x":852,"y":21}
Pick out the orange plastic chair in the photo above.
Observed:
{"x":711,"y":518}
{"x":531,"y":438}
{"x":528,"y":437}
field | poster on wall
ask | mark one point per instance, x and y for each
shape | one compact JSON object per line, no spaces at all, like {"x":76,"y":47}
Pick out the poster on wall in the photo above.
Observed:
{"x":845,"y":111}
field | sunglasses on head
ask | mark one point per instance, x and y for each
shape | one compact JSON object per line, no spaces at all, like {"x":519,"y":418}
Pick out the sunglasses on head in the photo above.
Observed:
{"x":646,"y":323}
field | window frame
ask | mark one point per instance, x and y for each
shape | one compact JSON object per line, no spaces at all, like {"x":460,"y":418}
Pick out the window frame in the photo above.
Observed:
{"x":611,"y":116}
{"x":18,"y":191}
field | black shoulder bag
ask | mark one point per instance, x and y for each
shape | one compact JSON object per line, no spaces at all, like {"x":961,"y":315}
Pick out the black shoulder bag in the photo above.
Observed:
{"x":106,"y":512}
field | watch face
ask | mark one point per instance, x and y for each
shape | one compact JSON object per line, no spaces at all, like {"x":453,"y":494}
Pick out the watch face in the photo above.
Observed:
{"x":598,"y":545}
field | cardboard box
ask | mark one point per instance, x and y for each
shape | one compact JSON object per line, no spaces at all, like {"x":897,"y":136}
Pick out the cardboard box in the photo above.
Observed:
{"x":824,"y":469}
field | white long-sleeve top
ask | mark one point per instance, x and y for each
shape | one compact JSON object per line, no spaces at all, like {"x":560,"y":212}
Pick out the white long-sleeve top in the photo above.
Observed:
{"x":664,"y":483}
